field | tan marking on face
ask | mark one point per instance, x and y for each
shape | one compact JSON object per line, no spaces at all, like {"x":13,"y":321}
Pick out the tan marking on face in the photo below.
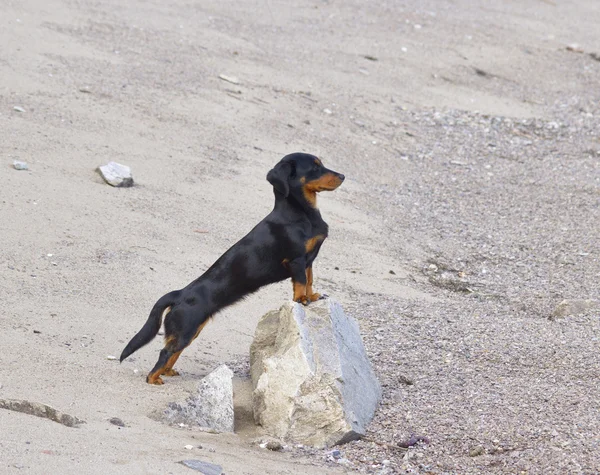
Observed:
{"x":327,"y":182}
{"x":318,"y":162}
{"x":310,"y":196}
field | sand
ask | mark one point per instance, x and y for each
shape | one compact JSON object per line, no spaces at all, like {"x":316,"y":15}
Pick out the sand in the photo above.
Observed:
{"x":468,"y":134}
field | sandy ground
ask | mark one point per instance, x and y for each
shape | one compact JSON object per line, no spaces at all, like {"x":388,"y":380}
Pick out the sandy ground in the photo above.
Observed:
{"x":469,"y":136}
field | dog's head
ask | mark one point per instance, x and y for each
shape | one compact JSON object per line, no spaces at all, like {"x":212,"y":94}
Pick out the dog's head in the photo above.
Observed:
{"x":303,"y":175}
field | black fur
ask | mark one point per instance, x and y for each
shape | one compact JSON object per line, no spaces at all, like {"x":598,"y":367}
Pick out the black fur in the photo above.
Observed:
{"x":284,"y":244}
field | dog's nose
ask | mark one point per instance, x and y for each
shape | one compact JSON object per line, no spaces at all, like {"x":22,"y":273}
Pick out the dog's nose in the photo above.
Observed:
{"x":342,"y":177}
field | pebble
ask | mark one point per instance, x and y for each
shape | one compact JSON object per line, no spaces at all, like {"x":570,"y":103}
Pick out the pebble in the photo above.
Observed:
{"x":18,"y":165}
{"x":328,"y":111}
{"x":274,"y":445}
{"x":116,"y":421}
{"x":231,"y":79}
{"x":116,"y":174}
{"x":189,"y":447}
{"x":476,"y":451}
{"x":111,"y":357}
{"x":18,"y":109}
{"x":575,"y":48}
{"x":85,"y":90}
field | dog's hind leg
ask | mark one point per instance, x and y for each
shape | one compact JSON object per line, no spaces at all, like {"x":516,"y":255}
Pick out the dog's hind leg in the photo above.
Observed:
{"x":169,"y":355}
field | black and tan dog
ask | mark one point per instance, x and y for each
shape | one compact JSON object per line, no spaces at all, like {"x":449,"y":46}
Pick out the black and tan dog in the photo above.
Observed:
{"x":282,"y":245}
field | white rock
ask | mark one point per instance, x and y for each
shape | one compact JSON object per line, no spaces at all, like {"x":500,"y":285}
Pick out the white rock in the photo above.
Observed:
{"x":18,"y":165}
{"x":231,"y":79}
{"x":312,"y":380}
{"x":116,"y":174}
{"x":575,"y":48}
{"x":18,"y":109}
{"x":210,"y":407}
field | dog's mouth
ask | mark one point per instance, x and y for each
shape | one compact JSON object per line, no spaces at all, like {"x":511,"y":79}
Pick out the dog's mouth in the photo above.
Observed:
{"x":328,"y":182}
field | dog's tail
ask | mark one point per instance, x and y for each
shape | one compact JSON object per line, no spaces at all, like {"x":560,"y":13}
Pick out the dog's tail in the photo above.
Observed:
{"x":152,"y":325}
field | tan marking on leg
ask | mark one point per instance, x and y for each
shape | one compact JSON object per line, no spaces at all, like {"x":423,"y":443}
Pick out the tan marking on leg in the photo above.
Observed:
{"x":300,"y":293}
{"x":167,"y":369}
{"x":312,"y":296}
{"x":154,"y":378}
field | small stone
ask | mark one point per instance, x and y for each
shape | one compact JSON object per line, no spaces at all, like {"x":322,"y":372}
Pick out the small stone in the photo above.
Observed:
{"x":371,"y":58}
{"x":85,"y":90}
{"x":189,"y":447}
{"x":476,"y":451}
{"x":111,"y":357}
{"x":231,"y":79}
{"x":328,"y":111}
{"x":116,"y":174}
{"x":575,"y":48}
{"x":336,"y":454}
{"x":392,"y":272}
{"x":205,"y":468}
{"x":116,"y":422}
{"x":274,"y":445}
{"x":18,"y":165}
{"x":18,"y":109}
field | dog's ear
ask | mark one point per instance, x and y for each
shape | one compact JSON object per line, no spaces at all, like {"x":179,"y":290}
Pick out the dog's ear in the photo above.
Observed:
{"x":279,"y":177}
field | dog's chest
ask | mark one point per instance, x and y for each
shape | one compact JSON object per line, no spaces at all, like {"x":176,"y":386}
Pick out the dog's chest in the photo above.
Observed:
{"x":319,"y":231}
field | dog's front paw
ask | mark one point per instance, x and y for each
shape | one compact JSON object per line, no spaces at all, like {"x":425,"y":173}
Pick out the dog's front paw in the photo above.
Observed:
{"x":314,"y":297}
{"x":304,"y":300}
{"x":157,"y":380}
{"x":170,"y":372}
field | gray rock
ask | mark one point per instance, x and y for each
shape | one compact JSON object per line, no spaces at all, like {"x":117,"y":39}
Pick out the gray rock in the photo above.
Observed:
{"x":116,"y":421}
{"x":18,"y":165}
{"x":206,"y":468}
{"x":40,"y":410}
{"x":116,"y":174}
{"x":575,"y":307}
{"x":210,"y":407}
{"x":313,"y":382}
